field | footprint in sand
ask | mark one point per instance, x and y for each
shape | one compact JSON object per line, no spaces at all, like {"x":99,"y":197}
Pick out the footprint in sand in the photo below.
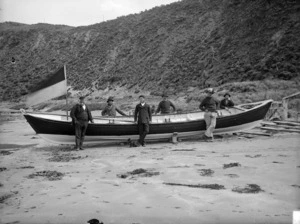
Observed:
{"x":277,"y":162}
{"x":232,"y":175}
{"x":148,"y":207}
{"x":177,"y":207}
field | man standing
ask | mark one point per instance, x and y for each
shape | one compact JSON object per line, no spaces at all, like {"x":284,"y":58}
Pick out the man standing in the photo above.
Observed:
{"x":81,"y":116}
{"x":226,"y":102}
{"x":164,"y":107}
{"x":111,"y":109}
{"x":142,"y":116}
{"x":209,"y":105}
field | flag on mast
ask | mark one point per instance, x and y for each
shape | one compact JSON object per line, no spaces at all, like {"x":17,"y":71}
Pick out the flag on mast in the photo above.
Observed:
{"x":54,"y":85}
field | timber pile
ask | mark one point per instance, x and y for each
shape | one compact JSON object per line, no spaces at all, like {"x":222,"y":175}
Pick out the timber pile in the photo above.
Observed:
{"x":281,"y":126}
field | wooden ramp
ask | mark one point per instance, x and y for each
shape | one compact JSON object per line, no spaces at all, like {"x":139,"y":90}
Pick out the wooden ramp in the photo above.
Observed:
{"x":281,"y":126}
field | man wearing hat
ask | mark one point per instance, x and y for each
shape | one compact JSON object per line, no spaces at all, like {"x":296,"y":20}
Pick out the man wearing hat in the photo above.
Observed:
{"x":164,"y":107}
{"x":81,"y":115}
{"x":210,"y":105}
{"x":226,"y":102}
{"x":111,"y":109}
{"x":143,"y":117}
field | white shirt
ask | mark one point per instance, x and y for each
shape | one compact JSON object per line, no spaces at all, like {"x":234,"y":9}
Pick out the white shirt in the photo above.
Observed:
{"x":143,"y":104}
{"x":83,"y":106}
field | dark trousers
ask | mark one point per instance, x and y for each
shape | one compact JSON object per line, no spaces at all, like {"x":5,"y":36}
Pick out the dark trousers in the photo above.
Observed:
{"x":80,"y":129}
{"x":143,"y":131}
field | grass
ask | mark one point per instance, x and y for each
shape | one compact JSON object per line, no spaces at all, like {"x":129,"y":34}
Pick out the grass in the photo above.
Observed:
{"x":229,"y":165}
{"x":138,"y":172}
{"x":5,"y":153}
{"x":50,"y":175}
{"x":206,"y":172}
{"x":64,"y":157}
{"x":3,"y":169}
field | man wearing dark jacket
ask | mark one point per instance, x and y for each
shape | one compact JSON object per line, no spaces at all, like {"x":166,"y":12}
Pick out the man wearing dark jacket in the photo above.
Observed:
{"x":210,"y":105}
{"x":142,"y":116}
{"x":226,"y":102}
{"x":111,"y":110}
{"x":164,"y":107}
{"x":81,"y":115}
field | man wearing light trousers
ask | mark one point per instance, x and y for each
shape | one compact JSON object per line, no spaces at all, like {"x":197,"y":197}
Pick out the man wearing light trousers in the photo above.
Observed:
{"x":210,"y":105}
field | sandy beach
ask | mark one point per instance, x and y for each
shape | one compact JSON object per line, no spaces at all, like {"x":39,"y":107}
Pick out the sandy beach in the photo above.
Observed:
{"x":235,"y":179}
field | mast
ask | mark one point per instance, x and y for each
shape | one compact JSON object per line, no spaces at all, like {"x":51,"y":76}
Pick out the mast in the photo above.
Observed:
{"x":65,"y":72}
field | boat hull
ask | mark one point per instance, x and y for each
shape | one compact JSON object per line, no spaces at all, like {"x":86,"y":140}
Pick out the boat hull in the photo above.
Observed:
{"x":63,"y":132}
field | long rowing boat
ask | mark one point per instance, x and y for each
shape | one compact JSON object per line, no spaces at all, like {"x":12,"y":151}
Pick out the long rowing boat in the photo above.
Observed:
{"x":58,"y":129}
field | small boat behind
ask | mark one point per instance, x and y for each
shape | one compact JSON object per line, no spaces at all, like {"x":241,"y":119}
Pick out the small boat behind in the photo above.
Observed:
{"x":59,"y":129}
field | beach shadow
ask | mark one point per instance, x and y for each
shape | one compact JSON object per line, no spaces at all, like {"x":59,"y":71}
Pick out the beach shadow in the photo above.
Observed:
{"x":207,"y":186}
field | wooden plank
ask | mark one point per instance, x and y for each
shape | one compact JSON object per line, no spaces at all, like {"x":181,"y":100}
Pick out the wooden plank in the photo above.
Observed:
{"x":285,"y":103}
{"x":280,"y":129}
{"x":282,"y":126}
{"x":287,"y":123}
{"x":267,"y":123}
{"x":256,"y":133}
{"x":295,"y":94}
{"x":9,"y":111}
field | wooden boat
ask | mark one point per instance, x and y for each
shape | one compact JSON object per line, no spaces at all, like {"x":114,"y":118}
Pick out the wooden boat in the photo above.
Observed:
{"x":57,"y":129}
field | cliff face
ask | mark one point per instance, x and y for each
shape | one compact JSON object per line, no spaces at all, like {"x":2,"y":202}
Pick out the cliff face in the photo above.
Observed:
{"x":185,"y":44}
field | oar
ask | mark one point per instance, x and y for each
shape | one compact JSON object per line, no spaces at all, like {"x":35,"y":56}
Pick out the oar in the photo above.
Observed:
{"x":239,"y":108}
{"x":113,"y":119}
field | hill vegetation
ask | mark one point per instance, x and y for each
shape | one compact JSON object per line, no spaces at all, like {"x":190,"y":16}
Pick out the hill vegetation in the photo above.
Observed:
{"x":178,"y":48}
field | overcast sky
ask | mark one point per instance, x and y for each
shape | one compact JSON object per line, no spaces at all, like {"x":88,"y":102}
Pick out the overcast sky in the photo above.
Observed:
{"x":72,"y":12}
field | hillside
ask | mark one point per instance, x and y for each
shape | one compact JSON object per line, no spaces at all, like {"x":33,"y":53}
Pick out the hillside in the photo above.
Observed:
{"x":174,"y":48}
